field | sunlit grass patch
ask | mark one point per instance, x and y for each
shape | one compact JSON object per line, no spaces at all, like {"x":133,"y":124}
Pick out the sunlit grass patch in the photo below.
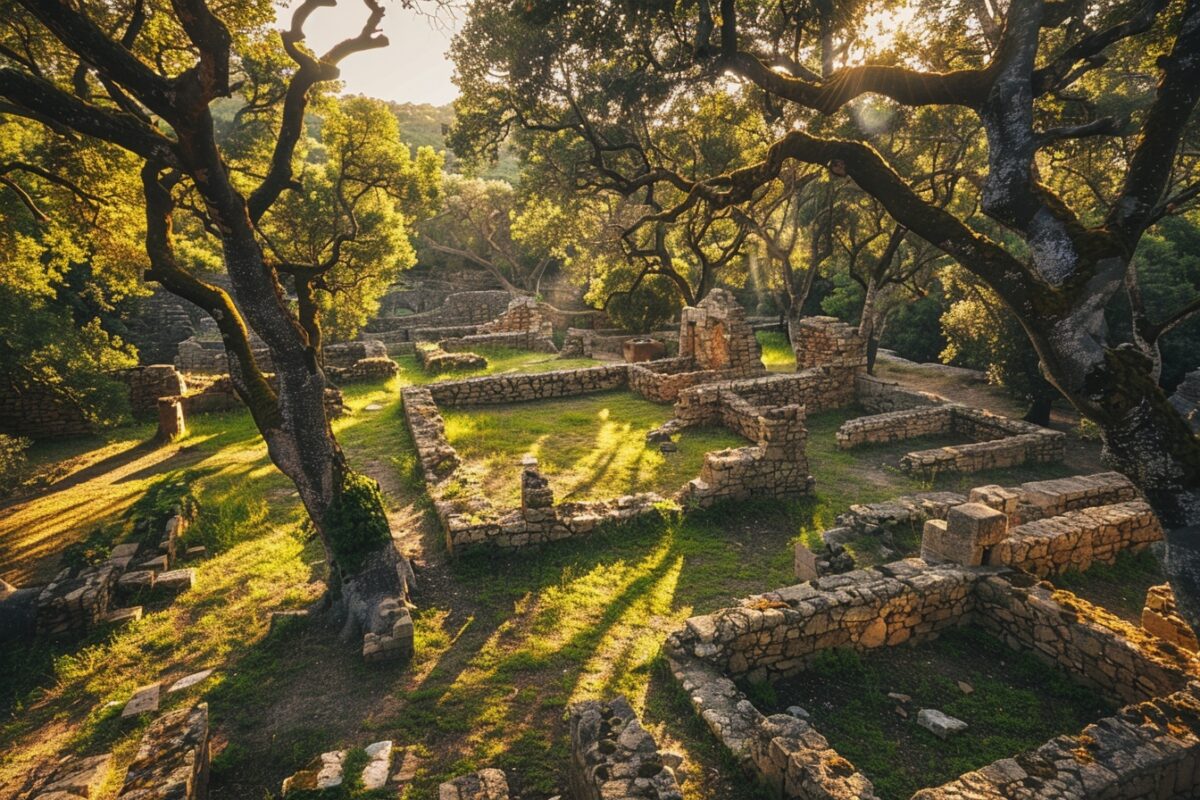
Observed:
{"x":590,"y":447}
{"x":777,"y":353}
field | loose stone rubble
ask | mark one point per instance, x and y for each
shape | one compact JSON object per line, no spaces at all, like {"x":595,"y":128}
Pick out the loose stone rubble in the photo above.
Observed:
{"x":486,"y":784}
{"x":72,"y":777}
{"x":172,"y":760}
{"x":328,"y":770}
{"x":613,"y":756}
{"x":998,"y":441}
{"x":776,"y":634}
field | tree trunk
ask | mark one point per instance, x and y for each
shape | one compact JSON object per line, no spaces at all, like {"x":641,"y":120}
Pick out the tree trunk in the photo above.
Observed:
{"x":1039,"y":410}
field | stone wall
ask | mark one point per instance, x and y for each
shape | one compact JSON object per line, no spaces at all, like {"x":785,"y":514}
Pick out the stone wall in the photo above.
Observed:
{"x":775,"y":634}
{"x":486,"y":784}
{"x":494,"y":389}
{"x":776,"y":466}
{"x":1077,"y":539}
{"x":172,"y":760}
{"x":209,"y":357}
{"x":520,"y":340}
{"x":589,"y":343}
{"x":1148,"y":750}
{"x":523,"y":315}
{"x":999,"y":441}
{"x":460,"y":310}
{"x":715,"y":335}
{"x":1095,"y":647}
{"x":613,"y":757}
{"x":828,"y":342}
{"x":365,"y":370}
{"x":39,"y":414}
{"x":147,"y":384}
{"x":878,"y":396}
{"x":76,"y":600}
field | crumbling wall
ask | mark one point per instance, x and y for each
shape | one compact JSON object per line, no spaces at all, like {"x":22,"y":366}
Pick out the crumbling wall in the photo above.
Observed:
{"x":1146,"y":751}
{"x":1095,"y":647}
{"x":147,"y":384}
{"x":773,"y":635}
{"x":828,"y":342}
{"x":775,"y":466}
{"x":172,"y":760}
{"x":613,"y":756}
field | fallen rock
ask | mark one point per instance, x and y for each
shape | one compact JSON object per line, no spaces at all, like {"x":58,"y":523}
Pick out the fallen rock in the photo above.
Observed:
{"x":144,"y":701}
{"x":940,"y":725}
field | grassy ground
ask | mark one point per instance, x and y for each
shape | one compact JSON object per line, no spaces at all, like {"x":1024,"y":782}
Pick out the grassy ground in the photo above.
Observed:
{"x":591,"y":447}
{"x":504,"y":643}
{"x":777,"y":354}
{"x":1016,"y":703}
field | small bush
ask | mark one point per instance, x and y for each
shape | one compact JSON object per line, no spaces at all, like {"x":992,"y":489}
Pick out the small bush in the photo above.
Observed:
{"x":12,"y":461}
{"x":357,"y":524}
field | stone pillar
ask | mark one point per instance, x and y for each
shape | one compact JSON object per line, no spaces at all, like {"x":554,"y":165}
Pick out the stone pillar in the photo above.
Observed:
{"x":171,"y":424}
{"x":536,"y":494}
{"x":965,"y":535}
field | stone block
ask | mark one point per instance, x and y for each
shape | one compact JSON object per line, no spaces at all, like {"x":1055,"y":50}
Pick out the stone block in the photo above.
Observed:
{"x":939,"y":724}
{"x":177,"y":580}
{"x":144,"y":701}
{"x":982,"y":525}
{"x":122,"y":616}
{"x":938,"y":545}
{"x":805,"y":563}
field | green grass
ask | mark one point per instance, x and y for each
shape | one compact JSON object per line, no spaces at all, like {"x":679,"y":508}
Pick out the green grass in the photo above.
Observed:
{"x":1119,"y":587}
{"x":777,"y":353}
{"x":1017,"y":703}
{"x":591,"y":447}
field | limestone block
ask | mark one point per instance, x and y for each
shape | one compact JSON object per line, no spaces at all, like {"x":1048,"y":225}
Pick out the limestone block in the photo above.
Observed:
{"x":145,"y":700}
{"x":982,"y":525}
{"x":939,"y":724}
{"x":806,"y":563}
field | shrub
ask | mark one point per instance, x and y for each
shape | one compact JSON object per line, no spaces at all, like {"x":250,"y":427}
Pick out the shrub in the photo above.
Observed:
{"x":357,"y":524}
{"x":12,"y":461}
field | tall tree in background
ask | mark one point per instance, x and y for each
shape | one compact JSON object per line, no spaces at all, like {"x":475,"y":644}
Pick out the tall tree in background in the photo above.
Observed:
{"x":1035,"y":77}
{"x":143,"y":79}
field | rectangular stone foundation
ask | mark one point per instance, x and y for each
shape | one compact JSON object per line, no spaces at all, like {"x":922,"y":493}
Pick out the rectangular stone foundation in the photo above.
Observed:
{"x":1149,"y":749}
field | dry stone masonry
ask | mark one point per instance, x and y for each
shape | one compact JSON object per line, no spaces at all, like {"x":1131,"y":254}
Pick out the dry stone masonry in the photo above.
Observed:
{"x":172,"y":760}
{"x":1149,"y":749}
{"x":614,"y":758}
{"x":1161,"y":617}
{"x":486,"y":784}
{"x":998,"y":441}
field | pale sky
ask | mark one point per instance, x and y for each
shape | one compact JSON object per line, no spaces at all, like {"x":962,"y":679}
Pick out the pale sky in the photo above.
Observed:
{"x":413,"y":68}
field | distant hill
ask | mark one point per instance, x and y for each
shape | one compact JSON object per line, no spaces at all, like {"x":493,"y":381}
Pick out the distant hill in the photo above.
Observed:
{"x":424,"y":124}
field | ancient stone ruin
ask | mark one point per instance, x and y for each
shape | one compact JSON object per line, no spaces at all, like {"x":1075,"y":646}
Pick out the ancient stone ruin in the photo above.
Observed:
{"x":721,"y":345}
{"x":613,"y":756}
{"x":171,"y":763}
{"x":1149,"y":749}
{"x":998,"y":441}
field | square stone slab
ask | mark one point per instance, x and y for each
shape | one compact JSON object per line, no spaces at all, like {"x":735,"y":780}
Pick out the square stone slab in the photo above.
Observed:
{"x":145,"y":700}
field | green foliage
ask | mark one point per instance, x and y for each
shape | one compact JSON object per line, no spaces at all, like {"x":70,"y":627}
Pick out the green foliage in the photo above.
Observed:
{"x":914,"y":330}
{"x":356,"y":523}
{"x":12,"y":461}
{"x":981,"y":333}
{"x":1168,"y":268}
{"x":649,"y":307}
{"x":91,"y":549}
{"x":173,"y":493}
